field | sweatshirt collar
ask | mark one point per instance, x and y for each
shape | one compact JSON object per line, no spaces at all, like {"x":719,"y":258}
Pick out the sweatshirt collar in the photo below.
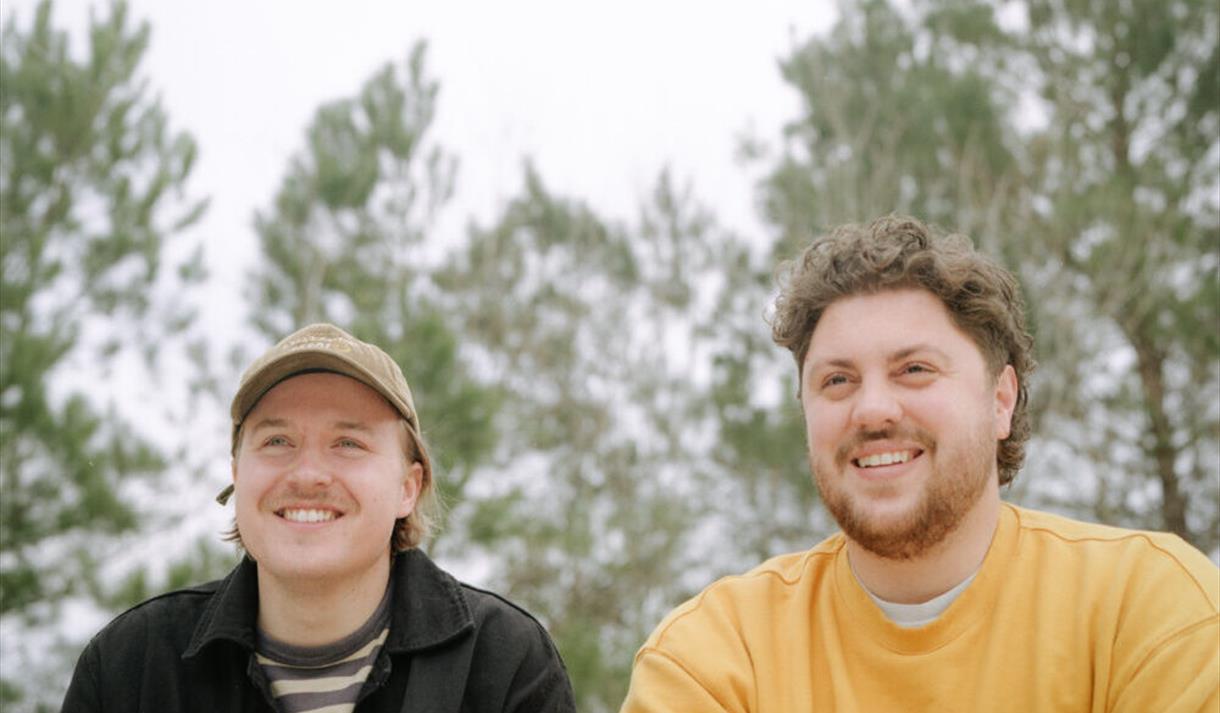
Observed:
{"x":975,"y":602}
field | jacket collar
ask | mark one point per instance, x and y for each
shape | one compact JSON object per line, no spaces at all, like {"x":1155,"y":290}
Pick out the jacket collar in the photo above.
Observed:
{"x":429,"y":607}
{"x":231,"y":612}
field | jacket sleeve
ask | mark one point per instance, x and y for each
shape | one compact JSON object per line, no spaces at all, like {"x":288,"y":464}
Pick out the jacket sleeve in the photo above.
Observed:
{"x":540,"y":682}
{"x":82,"y":695}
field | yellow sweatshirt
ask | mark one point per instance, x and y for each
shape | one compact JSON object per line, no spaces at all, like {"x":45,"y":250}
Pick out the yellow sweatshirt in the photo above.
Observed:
{"x":1062,"y":616}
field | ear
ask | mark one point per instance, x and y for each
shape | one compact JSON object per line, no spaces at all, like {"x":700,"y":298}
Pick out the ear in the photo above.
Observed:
{"x":235,"y":454}
{"x":412,"y":484}
{"x":1005,"y":401}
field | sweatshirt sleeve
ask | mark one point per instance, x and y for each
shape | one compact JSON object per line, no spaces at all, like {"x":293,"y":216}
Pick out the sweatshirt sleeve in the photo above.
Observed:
{"x":1179,"y":675}
{"x":661,"y":683}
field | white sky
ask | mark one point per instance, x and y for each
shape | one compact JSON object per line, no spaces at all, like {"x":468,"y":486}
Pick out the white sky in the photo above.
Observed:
{"x":602,"y":96}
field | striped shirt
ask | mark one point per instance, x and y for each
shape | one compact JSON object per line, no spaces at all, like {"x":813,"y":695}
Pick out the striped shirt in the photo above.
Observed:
{"x":324,"y":679}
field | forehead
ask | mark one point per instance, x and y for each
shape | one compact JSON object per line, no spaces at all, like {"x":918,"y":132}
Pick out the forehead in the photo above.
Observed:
{"x":323,"y":394}
{"x":878,"y":325}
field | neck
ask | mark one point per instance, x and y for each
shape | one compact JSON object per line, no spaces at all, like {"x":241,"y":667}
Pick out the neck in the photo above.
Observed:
{"x":941,"y":568}
{"x":310,"y":612}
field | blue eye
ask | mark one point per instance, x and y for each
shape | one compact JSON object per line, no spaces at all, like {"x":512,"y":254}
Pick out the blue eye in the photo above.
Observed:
{"x":276,"y":441}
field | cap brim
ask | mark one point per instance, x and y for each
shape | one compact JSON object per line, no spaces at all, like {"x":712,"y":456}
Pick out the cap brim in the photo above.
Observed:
{"x":272,"y":373}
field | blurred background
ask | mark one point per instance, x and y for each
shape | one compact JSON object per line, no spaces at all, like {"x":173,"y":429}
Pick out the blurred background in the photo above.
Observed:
{"x":563,"y":222}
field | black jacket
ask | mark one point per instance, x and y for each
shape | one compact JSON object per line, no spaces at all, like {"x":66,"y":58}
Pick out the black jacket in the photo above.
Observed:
{"x":451,"y":647}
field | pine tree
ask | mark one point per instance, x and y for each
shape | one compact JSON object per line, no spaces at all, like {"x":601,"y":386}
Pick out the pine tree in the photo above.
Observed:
{"x":1124,"y":212}
{"x":591,"y":329}
{"x":92,"y":184}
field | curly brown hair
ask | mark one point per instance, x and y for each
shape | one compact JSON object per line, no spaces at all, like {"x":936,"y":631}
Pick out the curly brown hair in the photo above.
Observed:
{"x":983,"y":299}
{"x":409,"y":531}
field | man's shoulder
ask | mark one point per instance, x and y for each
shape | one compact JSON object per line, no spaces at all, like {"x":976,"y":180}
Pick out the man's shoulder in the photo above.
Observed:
{"x":452,"y":606}
{"x":175,"y":606}
{"x":159,"y":626}
{"x":514,"y":655}
{"x":779,"y":575}
{"x":763,"y":593}
{"x":492,"y":609}
{"x":1151,"y":556}
{"x":1072,"y":530}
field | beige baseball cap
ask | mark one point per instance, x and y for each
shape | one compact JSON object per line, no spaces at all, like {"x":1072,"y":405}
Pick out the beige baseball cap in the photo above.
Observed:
{"x":322,"y":347}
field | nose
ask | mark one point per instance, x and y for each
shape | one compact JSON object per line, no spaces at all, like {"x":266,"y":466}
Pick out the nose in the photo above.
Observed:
{"x":877,"y":406}
{"x":309,"y":469}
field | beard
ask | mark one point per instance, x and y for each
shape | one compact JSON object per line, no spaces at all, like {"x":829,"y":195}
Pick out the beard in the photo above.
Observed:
{"x":957,"y":481}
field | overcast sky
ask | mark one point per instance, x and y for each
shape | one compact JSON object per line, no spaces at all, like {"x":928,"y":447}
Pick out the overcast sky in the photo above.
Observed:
{"x":601,"y":96}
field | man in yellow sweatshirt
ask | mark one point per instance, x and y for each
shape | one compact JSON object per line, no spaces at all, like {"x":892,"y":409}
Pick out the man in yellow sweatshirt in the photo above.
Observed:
{"x":912,"y":356}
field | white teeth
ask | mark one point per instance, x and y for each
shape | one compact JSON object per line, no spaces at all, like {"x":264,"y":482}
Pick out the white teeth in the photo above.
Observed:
{"x":309,"y":515}
{"x":884,"y":459}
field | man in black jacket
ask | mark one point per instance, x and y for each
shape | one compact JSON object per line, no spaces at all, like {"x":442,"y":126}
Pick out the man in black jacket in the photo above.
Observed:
{"x":333,"y":608}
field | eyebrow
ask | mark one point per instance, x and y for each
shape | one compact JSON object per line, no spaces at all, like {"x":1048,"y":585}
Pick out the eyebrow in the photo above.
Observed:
{"x":338,"y":425}
{"x":844,"y":363}
{"x":352,"y":426}
{"x":268,"y":423}
{"x":915,"y":349}
{"x":840,"y":363}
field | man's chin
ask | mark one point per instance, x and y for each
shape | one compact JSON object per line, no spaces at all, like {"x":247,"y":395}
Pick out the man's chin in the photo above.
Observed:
{"x":890,"y":533}
{"x":899,"y":542}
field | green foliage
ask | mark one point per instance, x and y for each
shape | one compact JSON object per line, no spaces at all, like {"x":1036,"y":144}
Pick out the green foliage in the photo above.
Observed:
{"x":593,"y":497}
{"x":9,"y":693}
{"x":92,"y":184}
{"x":892,"y":121}
{"x":203,"y":562}
{"x":1124,"y":178}
{"x":89,"y":177}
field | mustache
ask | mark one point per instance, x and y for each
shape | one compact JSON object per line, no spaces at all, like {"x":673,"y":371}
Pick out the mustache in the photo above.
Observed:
{"x":897,"y":433}
{"x":295,"y":496}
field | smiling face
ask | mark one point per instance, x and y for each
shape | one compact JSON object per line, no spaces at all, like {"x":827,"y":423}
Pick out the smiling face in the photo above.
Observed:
{"x":321,"y":476}
{"x":902,"y":419}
